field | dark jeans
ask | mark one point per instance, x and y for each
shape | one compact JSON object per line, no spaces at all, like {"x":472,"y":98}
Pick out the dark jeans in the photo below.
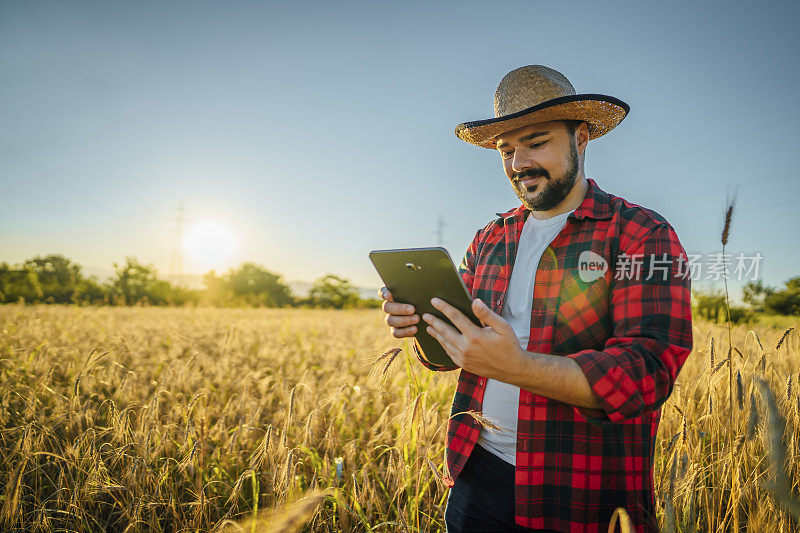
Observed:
{"x":482,"y":499}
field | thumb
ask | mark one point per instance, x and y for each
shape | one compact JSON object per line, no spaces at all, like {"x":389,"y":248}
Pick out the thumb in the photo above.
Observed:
{"x":486,"y":315}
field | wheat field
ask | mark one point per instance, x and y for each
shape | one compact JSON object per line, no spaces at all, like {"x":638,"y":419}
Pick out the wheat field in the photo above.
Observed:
{"x":151,"y":419}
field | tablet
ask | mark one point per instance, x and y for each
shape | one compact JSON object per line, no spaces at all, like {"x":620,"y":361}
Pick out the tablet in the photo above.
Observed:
{"x":414,"y":276}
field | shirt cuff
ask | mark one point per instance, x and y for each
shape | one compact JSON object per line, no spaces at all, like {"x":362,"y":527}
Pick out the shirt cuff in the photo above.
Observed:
{"x":610,"y":384}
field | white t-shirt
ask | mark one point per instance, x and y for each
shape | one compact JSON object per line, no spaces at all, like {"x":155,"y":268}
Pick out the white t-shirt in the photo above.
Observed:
{"x":501,"y":400}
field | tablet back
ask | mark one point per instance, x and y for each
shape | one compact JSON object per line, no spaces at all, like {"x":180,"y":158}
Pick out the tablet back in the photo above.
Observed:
{"x":414,"y":276}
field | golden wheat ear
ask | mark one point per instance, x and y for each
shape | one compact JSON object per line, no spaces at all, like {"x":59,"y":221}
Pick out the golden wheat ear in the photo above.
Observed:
{"x":389,"y":356}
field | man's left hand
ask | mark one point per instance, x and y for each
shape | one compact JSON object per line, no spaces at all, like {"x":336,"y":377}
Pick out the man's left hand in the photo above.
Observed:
{"x":492,"y":351}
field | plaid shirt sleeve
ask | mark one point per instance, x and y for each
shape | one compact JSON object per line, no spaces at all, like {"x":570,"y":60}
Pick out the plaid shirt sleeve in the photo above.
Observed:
{"x":466,"y":270}
{"x":635,"y":371}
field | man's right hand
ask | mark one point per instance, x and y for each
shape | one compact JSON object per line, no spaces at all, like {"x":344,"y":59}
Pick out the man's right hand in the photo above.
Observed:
{"x":399,"y":317}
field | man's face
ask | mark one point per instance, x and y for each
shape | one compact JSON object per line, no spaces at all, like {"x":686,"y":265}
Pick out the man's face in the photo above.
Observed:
{"x":541,"y":160}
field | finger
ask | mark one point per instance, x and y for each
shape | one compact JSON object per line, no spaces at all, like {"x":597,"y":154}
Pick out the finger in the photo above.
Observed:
{"x":396,"y":308}
{"x":404,"y":332}
{"x":442,"y":328}
{"x":384,"y":293}
{"x":487,"y":316}
{"x":455,"y":316}
{"x":446,"y":344}
{"x":401,"y":320}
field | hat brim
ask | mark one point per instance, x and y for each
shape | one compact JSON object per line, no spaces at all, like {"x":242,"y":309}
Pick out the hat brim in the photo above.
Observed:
{"x":602,"y":114}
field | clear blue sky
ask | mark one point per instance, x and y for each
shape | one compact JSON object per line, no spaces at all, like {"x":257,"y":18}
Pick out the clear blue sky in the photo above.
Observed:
{"x":318,"y":131}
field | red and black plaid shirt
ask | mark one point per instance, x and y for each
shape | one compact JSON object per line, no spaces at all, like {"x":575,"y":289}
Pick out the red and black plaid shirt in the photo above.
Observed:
{"x":630,"y":331}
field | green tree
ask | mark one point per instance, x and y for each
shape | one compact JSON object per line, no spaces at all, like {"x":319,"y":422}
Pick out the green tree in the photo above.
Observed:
{"x":91,"y":291}
{"x":137,"y":283}
{"x":754,"y":293}
{"x":249,"y":284}
{"x":709,"y":304}
{"x":785,"y":301}
{"x":19,"y":283}
{"x":331,"y":291}
{"x":182,"y":295}
{"x":58,"y":276}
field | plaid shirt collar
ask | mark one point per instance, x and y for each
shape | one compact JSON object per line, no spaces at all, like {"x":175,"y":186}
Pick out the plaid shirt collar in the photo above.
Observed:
{"x":596,"y":204}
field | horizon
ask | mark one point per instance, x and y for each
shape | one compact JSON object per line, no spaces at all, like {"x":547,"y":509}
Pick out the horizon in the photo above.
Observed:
{"x":118,"y":114}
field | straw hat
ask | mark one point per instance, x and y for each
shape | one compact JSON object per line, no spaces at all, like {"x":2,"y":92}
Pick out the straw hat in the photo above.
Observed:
{"x":535,"y":93}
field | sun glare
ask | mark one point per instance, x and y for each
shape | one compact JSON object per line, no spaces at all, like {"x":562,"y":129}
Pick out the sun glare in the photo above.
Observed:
{"x":209,"y":245}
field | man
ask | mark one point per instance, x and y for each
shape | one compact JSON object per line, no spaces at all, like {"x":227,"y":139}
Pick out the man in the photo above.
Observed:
{"x":585,"y":302}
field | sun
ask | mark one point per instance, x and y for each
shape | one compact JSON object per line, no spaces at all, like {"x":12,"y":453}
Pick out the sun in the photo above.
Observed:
{"x":209,"y":245}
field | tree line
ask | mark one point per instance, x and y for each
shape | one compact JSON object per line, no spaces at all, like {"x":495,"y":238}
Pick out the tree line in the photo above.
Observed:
{"x":57,"y":279}
{"x":758,"y":297}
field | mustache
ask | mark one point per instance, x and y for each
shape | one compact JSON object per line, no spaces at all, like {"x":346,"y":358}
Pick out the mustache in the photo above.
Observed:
{"x":531,"y":173}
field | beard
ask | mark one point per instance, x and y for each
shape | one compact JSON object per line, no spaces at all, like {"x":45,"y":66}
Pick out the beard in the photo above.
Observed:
{"x":553,"y":190}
